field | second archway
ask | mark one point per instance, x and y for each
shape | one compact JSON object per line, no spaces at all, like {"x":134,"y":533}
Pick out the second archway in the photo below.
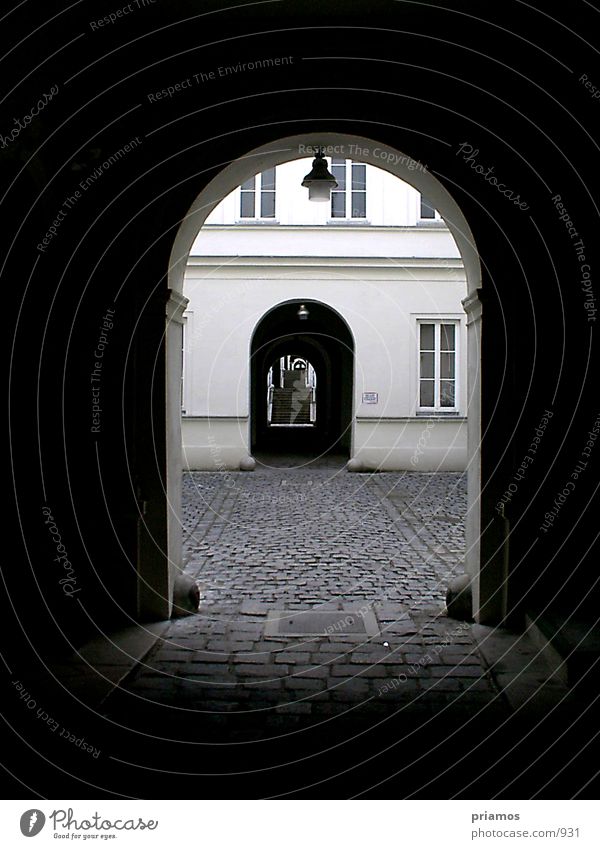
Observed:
{"x":302,"y":374}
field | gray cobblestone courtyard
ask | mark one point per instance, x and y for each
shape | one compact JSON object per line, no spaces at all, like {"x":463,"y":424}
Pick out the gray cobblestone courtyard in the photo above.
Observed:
{"x":292,"y":543}
{"x":316,"y":538}
{"x":316,"y":534}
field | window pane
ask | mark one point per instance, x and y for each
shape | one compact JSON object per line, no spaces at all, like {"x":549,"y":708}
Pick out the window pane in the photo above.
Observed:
{"x":447,"y":337}
{"x":426,"y":365}
{"x":247,"y":205}
{"x":359,"y":205}
{"x":447,"y":393}
{"x":426,"y":393}
{"x":268,"y":180}
{"x":359,"y":177}
{"x":339,"y":173}
{"x":267,"y":204}
{"x":427,"y":210}
{"x":447,"y":365}
{"x":249,"y":185}
{"x":427,"y":337}
{"x":338,"y":204}
{"x":337,"y":160}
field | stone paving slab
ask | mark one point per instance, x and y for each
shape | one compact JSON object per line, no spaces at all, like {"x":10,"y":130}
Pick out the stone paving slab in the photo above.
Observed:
{"x":311,"y":622}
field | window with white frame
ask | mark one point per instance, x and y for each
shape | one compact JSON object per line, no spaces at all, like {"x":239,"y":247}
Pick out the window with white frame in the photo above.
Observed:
{"x":349,"y":200}
{"x":438,"y":365}
{"x":257,"y":196}
{"x":427,"y":211}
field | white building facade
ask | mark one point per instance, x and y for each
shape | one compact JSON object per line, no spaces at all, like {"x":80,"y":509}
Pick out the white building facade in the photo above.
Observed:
{"x":381,"y":353}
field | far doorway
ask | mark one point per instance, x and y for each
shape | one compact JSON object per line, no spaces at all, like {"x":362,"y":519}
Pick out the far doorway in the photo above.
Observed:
{"x":302,"y":378}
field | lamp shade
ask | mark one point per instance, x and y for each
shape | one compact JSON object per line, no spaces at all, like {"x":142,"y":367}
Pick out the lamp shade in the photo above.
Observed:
{"x":319,"y":181}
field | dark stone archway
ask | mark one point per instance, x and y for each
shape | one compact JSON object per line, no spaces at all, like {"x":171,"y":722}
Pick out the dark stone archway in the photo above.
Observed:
{"x":412,"y":76}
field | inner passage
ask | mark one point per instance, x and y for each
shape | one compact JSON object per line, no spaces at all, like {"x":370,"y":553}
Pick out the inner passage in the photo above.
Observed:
{"x":291,"y":393}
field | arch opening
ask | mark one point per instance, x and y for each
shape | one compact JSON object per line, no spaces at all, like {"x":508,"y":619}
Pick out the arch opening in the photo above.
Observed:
{"x":400,"y":165}
{"x":308,"y":410}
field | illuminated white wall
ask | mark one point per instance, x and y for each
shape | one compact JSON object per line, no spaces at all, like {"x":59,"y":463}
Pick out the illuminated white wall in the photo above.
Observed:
{"x":380,"y":274}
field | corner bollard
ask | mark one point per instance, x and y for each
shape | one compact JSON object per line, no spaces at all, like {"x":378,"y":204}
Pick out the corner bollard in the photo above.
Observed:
{"x":459,"y":599}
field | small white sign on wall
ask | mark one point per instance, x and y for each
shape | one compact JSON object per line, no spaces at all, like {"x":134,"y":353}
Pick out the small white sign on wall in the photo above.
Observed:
{"x":370,"y":398}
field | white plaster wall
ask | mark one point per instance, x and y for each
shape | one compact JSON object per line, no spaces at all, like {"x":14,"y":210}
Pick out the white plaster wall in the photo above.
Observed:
{"x":214,"y":444}
{"x":428,"y":444}
{"x":380,"y":274}
{"x":381,"y":312}
{"x":329,"y":240}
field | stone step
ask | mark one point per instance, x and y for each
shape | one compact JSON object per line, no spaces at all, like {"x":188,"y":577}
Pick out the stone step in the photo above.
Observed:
{"x":301,"y":418}
{"x":303,"y":392}
{"x":290,"y":406}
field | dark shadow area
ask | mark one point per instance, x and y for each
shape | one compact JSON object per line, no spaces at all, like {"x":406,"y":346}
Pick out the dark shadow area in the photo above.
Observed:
{"x":430,"y":745}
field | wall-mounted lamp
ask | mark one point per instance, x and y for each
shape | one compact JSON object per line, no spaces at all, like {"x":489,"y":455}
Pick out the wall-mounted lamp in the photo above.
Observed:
{"x":319,"y":181}
{"x":302,"y":313}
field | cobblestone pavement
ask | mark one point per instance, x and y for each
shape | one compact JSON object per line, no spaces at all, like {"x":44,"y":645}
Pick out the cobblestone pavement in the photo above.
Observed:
{"x":321,"y":663}
{"x":373,"y":553}
{"x":316,"y":534}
